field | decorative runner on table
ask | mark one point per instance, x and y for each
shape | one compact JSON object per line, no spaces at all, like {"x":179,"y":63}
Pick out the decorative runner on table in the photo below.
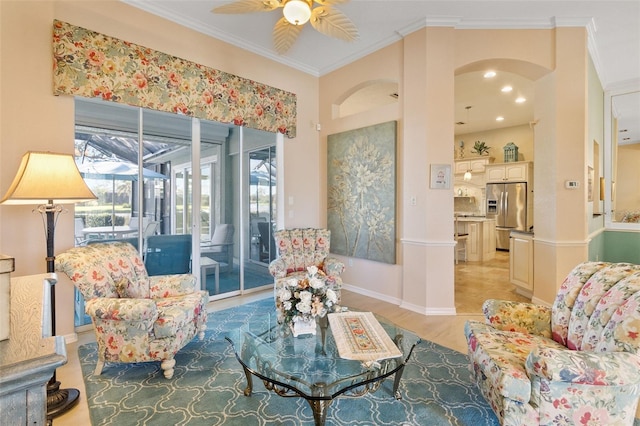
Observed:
{"x":359,"y":336}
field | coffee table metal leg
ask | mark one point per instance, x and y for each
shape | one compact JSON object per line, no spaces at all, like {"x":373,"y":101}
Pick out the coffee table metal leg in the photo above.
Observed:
{"x":396,"y":382}
{"x":249,"y":388}
{"x":319,"y":408}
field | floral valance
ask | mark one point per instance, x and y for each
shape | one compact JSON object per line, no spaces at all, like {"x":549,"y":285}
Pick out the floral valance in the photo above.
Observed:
{"x":90,"y":64}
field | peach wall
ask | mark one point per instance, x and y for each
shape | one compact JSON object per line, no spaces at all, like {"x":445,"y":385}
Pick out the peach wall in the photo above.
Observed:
{"x":431,"y":58}
{"x":561,"y":147}
{"x":33,"y":119}
{"x":381,"y":279}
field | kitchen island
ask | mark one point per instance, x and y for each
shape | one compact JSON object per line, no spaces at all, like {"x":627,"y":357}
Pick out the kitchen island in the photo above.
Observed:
{"x":481,"y":242}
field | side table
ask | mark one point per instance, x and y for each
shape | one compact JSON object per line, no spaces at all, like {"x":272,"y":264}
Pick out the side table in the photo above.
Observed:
{"x":30,"y":355}
{"x":206,"y":264}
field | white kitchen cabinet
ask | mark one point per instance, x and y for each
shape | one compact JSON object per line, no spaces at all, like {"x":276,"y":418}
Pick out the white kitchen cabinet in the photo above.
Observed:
{"x":521,"y":171}
{"x":481,"y":242}
{"x":475,"y":164}
{"x":521,"y":262}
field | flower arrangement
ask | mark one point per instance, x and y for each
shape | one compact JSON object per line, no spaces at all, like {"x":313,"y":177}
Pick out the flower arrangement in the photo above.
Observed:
{"x":307,"y":298}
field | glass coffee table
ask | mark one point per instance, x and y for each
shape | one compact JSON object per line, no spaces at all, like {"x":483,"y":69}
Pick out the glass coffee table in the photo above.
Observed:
{"x":310,"y":366}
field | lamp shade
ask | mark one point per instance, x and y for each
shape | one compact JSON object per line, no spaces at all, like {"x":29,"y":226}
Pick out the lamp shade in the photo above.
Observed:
{"x":46,"y":176}
{"x":297,"y":12}
{"x":467,"y":175}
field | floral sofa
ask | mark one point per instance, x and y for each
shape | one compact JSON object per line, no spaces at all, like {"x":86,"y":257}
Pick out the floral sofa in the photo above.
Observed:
{"x":137,"y":318}
{"x":574,"y":363}
{"x":299,"y":248}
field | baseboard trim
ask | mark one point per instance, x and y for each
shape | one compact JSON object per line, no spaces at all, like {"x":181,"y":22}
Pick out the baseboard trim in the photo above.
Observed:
{"x":70,"y":338}
{"x":396,"y":301}
{"x":372,"y":294}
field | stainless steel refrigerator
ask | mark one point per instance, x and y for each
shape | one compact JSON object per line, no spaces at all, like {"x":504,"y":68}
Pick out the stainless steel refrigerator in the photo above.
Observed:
{"x":507,"y":204}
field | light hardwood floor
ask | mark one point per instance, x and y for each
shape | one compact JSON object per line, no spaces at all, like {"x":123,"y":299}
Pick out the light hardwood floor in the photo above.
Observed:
{"x":475,"y":282}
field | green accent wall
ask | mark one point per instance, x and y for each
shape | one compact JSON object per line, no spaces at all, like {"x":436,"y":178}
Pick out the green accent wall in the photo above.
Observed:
{"x":619,"y":246}
{"x":596,"y":247}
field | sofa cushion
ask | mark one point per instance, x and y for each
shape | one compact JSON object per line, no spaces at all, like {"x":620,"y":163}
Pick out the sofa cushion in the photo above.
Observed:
{"x":566,"y":297}
{"x":97,"y":268}
{"x":174,"y":313}
{"x":300,"y":248}
{"x":599,"y":330}
{"x":622,"y":332}
{"x":588,"y":299}
{"x":501,"y":356}
{"x":134,"y":290}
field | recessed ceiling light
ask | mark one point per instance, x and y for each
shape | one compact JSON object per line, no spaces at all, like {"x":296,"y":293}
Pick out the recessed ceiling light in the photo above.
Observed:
{"x":489,"y":74}
{"x":500,"y":118}
{"x":520,"y":100}
{"x":506,"y":89}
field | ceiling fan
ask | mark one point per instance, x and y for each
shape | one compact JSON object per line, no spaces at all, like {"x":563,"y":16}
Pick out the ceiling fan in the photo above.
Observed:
{"x":324,"y":18}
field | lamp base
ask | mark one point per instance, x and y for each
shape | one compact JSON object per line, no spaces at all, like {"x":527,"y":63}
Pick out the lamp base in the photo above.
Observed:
{"x":59,"y":401}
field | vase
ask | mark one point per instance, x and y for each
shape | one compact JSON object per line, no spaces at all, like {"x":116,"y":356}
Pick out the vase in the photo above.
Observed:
{"x":300,"y":326}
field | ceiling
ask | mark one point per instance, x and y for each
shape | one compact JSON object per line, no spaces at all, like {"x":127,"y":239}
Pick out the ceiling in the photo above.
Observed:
{"x":613,"y":28}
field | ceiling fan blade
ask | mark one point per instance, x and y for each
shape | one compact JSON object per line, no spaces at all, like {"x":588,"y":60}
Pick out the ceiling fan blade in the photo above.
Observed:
{"x":333,"y":23}
{"x":331,"y":2}
{"x":284,"y":35}
{"x":248,"y":6}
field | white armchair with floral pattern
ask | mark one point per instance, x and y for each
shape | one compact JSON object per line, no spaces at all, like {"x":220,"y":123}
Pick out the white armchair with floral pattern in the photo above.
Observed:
{"x":574,"y":363}
{"x":137,"y":318}
{"x":299,"y":248}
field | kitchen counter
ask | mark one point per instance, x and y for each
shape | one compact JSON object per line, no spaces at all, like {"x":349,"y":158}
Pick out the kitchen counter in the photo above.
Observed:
{"x":481,"y":242}
{"x":474,"y":219}
{"x":521,"y":262}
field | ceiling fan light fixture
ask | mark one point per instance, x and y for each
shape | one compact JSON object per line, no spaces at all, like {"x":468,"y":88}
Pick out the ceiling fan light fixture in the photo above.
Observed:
{"x":297,"y":12}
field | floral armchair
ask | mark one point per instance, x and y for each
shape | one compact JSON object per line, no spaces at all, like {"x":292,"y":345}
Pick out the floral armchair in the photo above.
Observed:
{"x":137,"y":318}
{"x":574,"y":363}
{"x":299,"y":248}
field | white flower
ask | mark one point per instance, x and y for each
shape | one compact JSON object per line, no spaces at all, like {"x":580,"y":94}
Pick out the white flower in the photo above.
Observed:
{"x":312,"y":270}
{"x":305,"y":296}
{"x":284,"y":294}
{"x":331,"y":296}
{"x":287,"y":305}
{"x":316,"y":282}
{"x":293,"y":282}
{"x":304,"y":307}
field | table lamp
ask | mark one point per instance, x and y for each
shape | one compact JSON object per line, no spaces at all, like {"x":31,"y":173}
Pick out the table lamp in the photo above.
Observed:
{"x":49,"y":180}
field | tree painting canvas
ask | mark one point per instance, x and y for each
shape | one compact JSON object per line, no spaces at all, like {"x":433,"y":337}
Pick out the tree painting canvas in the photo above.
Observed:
{"x":361,"y":191}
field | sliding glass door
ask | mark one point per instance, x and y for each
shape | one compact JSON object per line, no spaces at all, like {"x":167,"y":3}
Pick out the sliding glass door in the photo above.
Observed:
{"x":182,"y":218}
{"x":262,"y":204}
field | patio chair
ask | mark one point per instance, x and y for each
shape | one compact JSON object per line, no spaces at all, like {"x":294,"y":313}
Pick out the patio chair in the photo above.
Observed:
{"x":81,"y":238}
{"x":220,"y":247}
{"x":267,"y":242}
{"x":168,"y":254}
{"x":136,"y":318}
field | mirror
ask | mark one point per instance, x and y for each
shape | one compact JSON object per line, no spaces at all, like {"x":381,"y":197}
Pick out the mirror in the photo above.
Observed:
{"x":622,"y":156}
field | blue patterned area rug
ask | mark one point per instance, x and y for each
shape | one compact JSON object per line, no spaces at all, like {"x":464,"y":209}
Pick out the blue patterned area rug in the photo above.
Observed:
{"x":207,"y":387}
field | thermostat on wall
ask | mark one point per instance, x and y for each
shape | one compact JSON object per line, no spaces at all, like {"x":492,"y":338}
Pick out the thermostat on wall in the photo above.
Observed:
{"x":571,"y":184}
